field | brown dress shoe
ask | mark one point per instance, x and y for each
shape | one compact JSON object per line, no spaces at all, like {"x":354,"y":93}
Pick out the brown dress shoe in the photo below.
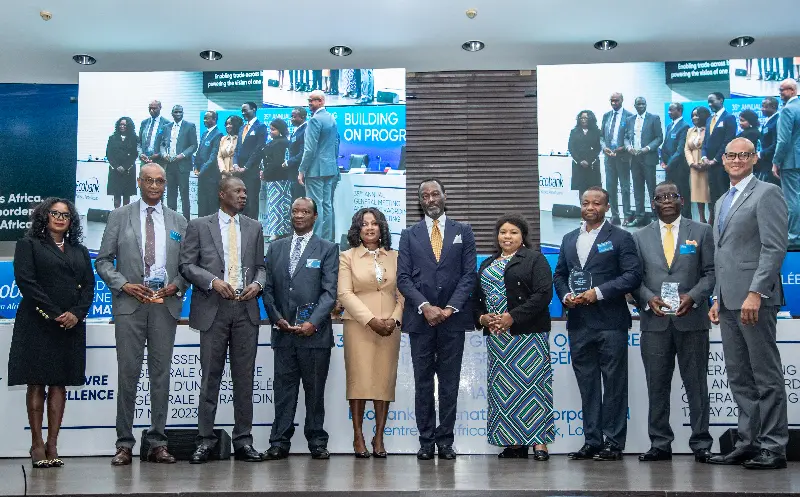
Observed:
{"x":123,"y":457}
{"x":160,"y":455}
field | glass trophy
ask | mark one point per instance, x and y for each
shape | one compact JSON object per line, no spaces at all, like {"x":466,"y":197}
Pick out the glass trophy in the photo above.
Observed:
{"x":579,"y":281}
{"x":156,"y":280}
{"x":239,"y":281}
{"x":303,"y":313}
{"x":670,"y":296}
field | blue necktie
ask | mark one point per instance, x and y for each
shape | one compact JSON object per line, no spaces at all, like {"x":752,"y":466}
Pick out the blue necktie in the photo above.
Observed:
{"x":294,"y":257}
{"x":726,"y":206}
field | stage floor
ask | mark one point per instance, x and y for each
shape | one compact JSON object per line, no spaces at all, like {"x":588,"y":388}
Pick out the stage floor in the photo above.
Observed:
{"x":469,"y":475}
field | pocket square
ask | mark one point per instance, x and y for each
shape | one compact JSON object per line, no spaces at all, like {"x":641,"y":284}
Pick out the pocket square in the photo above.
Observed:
{"x":691,"y":242}
{"x":457,"y":239}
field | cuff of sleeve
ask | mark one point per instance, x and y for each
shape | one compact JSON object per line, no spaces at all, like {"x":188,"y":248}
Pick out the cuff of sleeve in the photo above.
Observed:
{"x":564,"y":300}
{"x":454,"y":309}
{"x":419,"y":309}
{"x":598,"y":293}
{"x":211,"y":284}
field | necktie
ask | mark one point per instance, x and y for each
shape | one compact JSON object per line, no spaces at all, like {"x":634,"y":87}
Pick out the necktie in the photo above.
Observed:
{"x":669,"y":245}
{"x":436,"y":240}
{"x":233,"y":255}
{"x":713,"y":124}
{"x":244,"y":131}
{"x":294,"y":257}
{"x":149,"y":241}
{"x":611,"y":134}
{"x":150,"y":134}
{"x":726,"y":206}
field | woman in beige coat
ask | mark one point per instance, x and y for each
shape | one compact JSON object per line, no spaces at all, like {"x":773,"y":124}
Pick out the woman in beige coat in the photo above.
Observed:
{"x":372,"y":311}
{"x":227,"y":144}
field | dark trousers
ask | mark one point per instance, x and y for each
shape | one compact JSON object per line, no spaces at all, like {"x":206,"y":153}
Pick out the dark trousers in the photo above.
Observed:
{"x":718,"y":184}
{"x":436,"y":352}
{"x":232,"y":334}
{"x":334,"y":87}
{"x":618,"y":172}
{"x":253,"y":184}
{"x":293,"y":365}
{"x":678,"y":173}
{"x":642,"y":174}
{"x":600,"y":363}
{"x":177,"y":180}
{"x":659,"y":349}
{"x":357,"y":79}
{"x":316,"y":79}
{"x":208,"y":194}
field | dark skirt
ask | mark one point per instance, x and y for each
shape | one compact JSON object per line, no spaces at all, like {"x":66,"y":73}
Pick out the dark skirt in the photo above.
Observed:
{"x":585,"y":177}
{"x":122,"y":184}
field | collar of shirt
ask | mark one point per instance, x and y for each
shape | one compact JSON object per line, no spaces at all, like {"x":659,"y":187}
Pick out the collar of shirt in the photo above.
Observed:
{"x":364,"y":251}
{"x":641,"y":116}
{"x":596,"y":230}
{"x":177,"y":124}
{"x":442,"y":221}
{"x":298,"y":128}
{"x":791,"y":99}
{"x":225,"y":218}
{"x":252,"y":121}
{"x":675,"y":223}
{"x":770,"y":118}
{"x":305,"y":238}
{"x":159,"y":209}
{"x":740,"y":186}
{"x":676,"y":121}
{"x":719,"y":113}
{"x":209,"y":130}
{"x":315,"y":112}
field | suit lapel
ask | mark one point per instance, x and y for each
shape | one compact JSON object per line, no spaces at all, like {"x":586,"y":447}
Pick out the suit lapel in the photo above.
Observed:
{"x":739,"y":201}
{"x":684,"y":233}
{"x":421,"y":232}
{"x":216,"y":235}
{"x":311,"y":249}
{"x":447,"y":241}
{"x":136,"y":225}
{"x":659,"y":245}
{"x":605,"y":232}
{"x":169,"y":227}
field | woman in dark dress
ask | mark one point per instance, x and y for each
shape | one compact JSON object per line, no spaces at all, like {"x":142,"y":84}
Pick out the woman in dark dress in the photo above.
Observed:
{"x":748,"y":121}
{"x":275,"y":174}
{"x":121,"y":154}
{"x":584,"y":147}
{"x":48,"y":347}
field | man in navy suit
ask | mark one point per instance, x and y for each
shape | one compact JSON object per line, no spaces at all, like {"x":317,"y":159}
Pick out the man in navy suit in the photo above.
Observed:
{"x":246,"y":161}
{"x":149,"y":130}
{"x":673,"y":157}
{"x":178,"y":143}
{"x":618,"y":161}
{"x":768,"y":140}
{"x":720,"y":130}
{"x":206,"y":168}
{"x":296,"y":145}
{"x":598,"y":321}
{"x":643,"y":136}
{"x":436,"y":268}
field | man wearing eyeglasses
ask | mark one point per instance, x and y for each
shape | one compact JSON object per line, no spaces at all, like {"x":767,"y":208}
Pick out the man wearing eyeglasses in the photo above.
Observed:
{"x":750,"y":233}
{"x":677,"y":256}
{"x":144,"y":239}
{"x":786,"y":161}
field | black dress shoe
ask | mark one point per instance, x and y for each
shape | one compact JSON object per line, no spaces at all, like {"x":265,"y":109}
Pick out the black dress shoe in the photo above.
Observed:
{"x":541,"y":455}
{"x":766,"y":460}
{"x":275,"y":453}
{"x":447,"y":452}
{"x":733,"y":458}
{"x":320,"y":453}
{"x":585,"y":452}
{"x":200,"y":455}
{"x":702,"y":455}
{"x":655,"y":454}
{"x":610,"y":452}
{"x":247,"y":454}
{"x":425,"y":453}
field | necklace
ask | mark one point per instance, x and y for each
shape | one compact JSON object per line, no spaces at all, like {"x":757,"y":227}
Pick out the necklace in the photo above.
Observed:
{"x":60,"y":244}
{"x":509,"y":256}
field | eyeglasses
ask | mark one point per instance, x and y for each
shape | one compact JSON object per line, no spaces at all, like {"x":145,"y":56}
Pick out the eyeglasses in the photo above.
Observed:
{"x":59,"y":215}
{"x":153,"y":181}
{"x":740,"y":155}
{"x":666,"y":197}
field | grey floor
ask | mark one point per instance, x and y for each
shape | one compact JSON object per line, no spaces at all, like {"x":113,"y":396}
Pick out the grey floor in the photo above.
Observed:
{"x":469,"y":475}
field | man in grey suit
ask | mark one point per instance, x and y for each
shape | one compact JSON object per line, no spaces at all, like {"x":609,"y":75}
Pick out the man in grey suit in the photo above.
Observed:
{"x":178,"y":143}
{"x":223,"y":258}
{"x":675,"y":249}
{"x":144,"y":239}
{"x":786,"y":161}
{"x":303,"y":272}
{"x":617,"y":159}
{"x":318,"y":169}
{"x":149,"y":146}
{"x":750,"y":233}
{"x":642,"y":139}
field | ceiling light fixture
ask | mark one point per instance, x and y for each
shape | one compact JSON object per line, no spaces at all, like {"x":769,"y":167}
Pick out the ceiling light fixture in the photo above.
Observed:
{"x":84,"y":60}
{"x":605,"y":45}
{"x":473,"y":46}
{"x":341,"y":51}
{"x":210,"y":55}
{"x":742,"y":41}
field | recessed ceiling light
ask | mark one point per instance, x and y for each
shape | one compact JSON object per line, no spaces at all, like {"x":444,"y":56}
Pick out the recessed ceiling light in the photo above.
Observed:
{"x":83,"y":59}
{"x":473,"y":46}
{"x":210,"y":55}
{"x":341,"y":51}
{"x":605,"y":45}
{"x":742,"y":41}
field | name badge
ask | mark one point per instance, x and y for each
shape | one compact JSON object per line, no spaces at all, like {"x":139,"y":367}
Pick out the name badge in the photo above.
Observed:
{"x":605,"y":247}
{"x":175,"y":236}
{"x":673,"y":135}
{"x":208,"y":143}
{"x":688,"y":249}
{"x":313,"y":263}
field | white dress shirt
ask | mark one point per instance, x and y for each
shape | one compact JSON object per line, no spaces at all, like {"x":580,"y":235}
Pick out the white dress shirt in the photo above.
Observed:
{"x":173,"y":139}
{"x":224,"y":221}
{"x":584,"y":245}
{"x":616,"y":127}
{"x":637,"y":130}
{"x":208,"y":132}
{"x":160,"y":232}
{"x":675,"y":225}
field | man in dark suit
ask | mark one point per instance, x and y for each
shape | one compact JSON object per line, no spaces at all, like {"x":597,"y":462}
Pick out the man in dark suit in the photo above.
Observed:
{"x":246,"y":160}
{"x":677,"y":250}
{"x":720,"y":130}
{"x":303,"y":273}
{"x":149,"y":146}
{"x":206,"y":168}
{"x":768,"y":140}
{"x":598,"y":321}
{"x":223,"y":258}
{"x":436,"y":274}
{"x":617,"y":159}
{"x":643,"y":136}
{"x":673,"y":156}
{"x":178,"y":144}
{"x":296,"y":146}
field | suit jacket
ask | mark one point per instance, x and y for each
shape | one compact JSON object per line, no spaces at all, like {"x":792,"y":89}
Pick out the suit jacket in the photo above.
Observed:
{"x":273,"y":154}
{"x":449,"y":282}
{"x":359,"y":292}
{"x":314,"y":281}
{"x":203,"y":259}
{"x":673,"y":148}
{"x":606,"y":131}
{"x":652,"y":135}
{"x":787,"y":151}
{"x":751,"y":250}
{"x":321,"y":146}
{"x":144,"y":132}
{"x":769,"y":140}
{"x":247,"y":147}
{"x":529,"y":289}
{"x":718,"y":138}
{"x":186,"y":144}
{"x":694,"y":273}
{"x":122,"y":243}
{"x":615,"y":272}
{"x":297,"y":144}
{"x":205,"y":161}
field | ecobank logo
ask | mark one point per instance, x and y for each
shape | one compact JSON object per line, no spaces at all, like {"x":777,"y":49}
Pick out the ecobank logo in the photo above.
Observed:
{"x":553,"y":181}
{"x":88,"y":185}
{"x":10,"y":291}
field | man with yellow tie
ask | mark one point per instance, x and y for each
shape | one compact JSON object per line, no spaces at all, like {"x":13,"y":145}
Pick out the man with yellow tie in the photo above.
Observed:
{"x":436,"y":271}
{"x":721,"y":128}
{"x":677,"y":256}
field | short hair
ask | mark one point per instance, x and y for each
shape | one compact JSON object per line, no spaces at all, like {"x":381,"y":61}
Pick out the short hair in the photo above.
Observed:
{"x":751,"y":117}
{"x":40,"y":218}
{"x":719,"y":95}
{"x":236,"y":122}
{"x":213,"y":114}
{"x":703,"y":113}
{"x":301,"y":111}
{"x":678,"y":106}
{"x":354,"y":233}
{"x":281,"y":126}
{"x":772,"y":101}
{"x":596,"y":189}
{"x":308,"y":199}
{"x":430,"y":180}
{"x":252,"y":105}
{"x":228,"y":178}
{"x":667,"y":183}
{"x":518,"y":221}
{"x":176,"y":107}
{"x":617,"y":94}
{"x":639,"y":98}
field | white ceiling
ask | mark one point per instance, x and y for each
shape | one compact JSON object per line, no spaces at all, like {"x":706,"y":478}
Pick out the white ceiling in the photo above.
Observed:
{"x":420,"y":35}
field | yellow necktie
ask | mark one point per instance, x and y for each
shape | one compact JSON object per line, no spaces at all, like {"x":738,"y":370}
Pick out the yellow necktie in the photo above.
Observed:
{"x":669,"y":245}
{"x":436,"y":240}
{"x":713,"y":124}
{"x":244,"y":133}
{"x":233,"y":255}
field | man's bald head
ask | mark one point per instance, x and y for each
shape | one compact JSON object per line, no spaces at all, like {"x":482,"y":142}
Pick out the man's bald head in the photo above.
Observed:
{"x":740,"y":145}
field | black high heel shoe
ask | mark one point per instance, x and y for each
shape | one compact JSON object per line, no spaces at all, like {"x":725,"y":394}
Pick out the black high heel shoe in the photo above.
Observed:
{"x":540,"y":454}
{"x":360,"y":455}
{"x":39,"y":464}
{"x":379,"y":455}
{"x":54,"y":462}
